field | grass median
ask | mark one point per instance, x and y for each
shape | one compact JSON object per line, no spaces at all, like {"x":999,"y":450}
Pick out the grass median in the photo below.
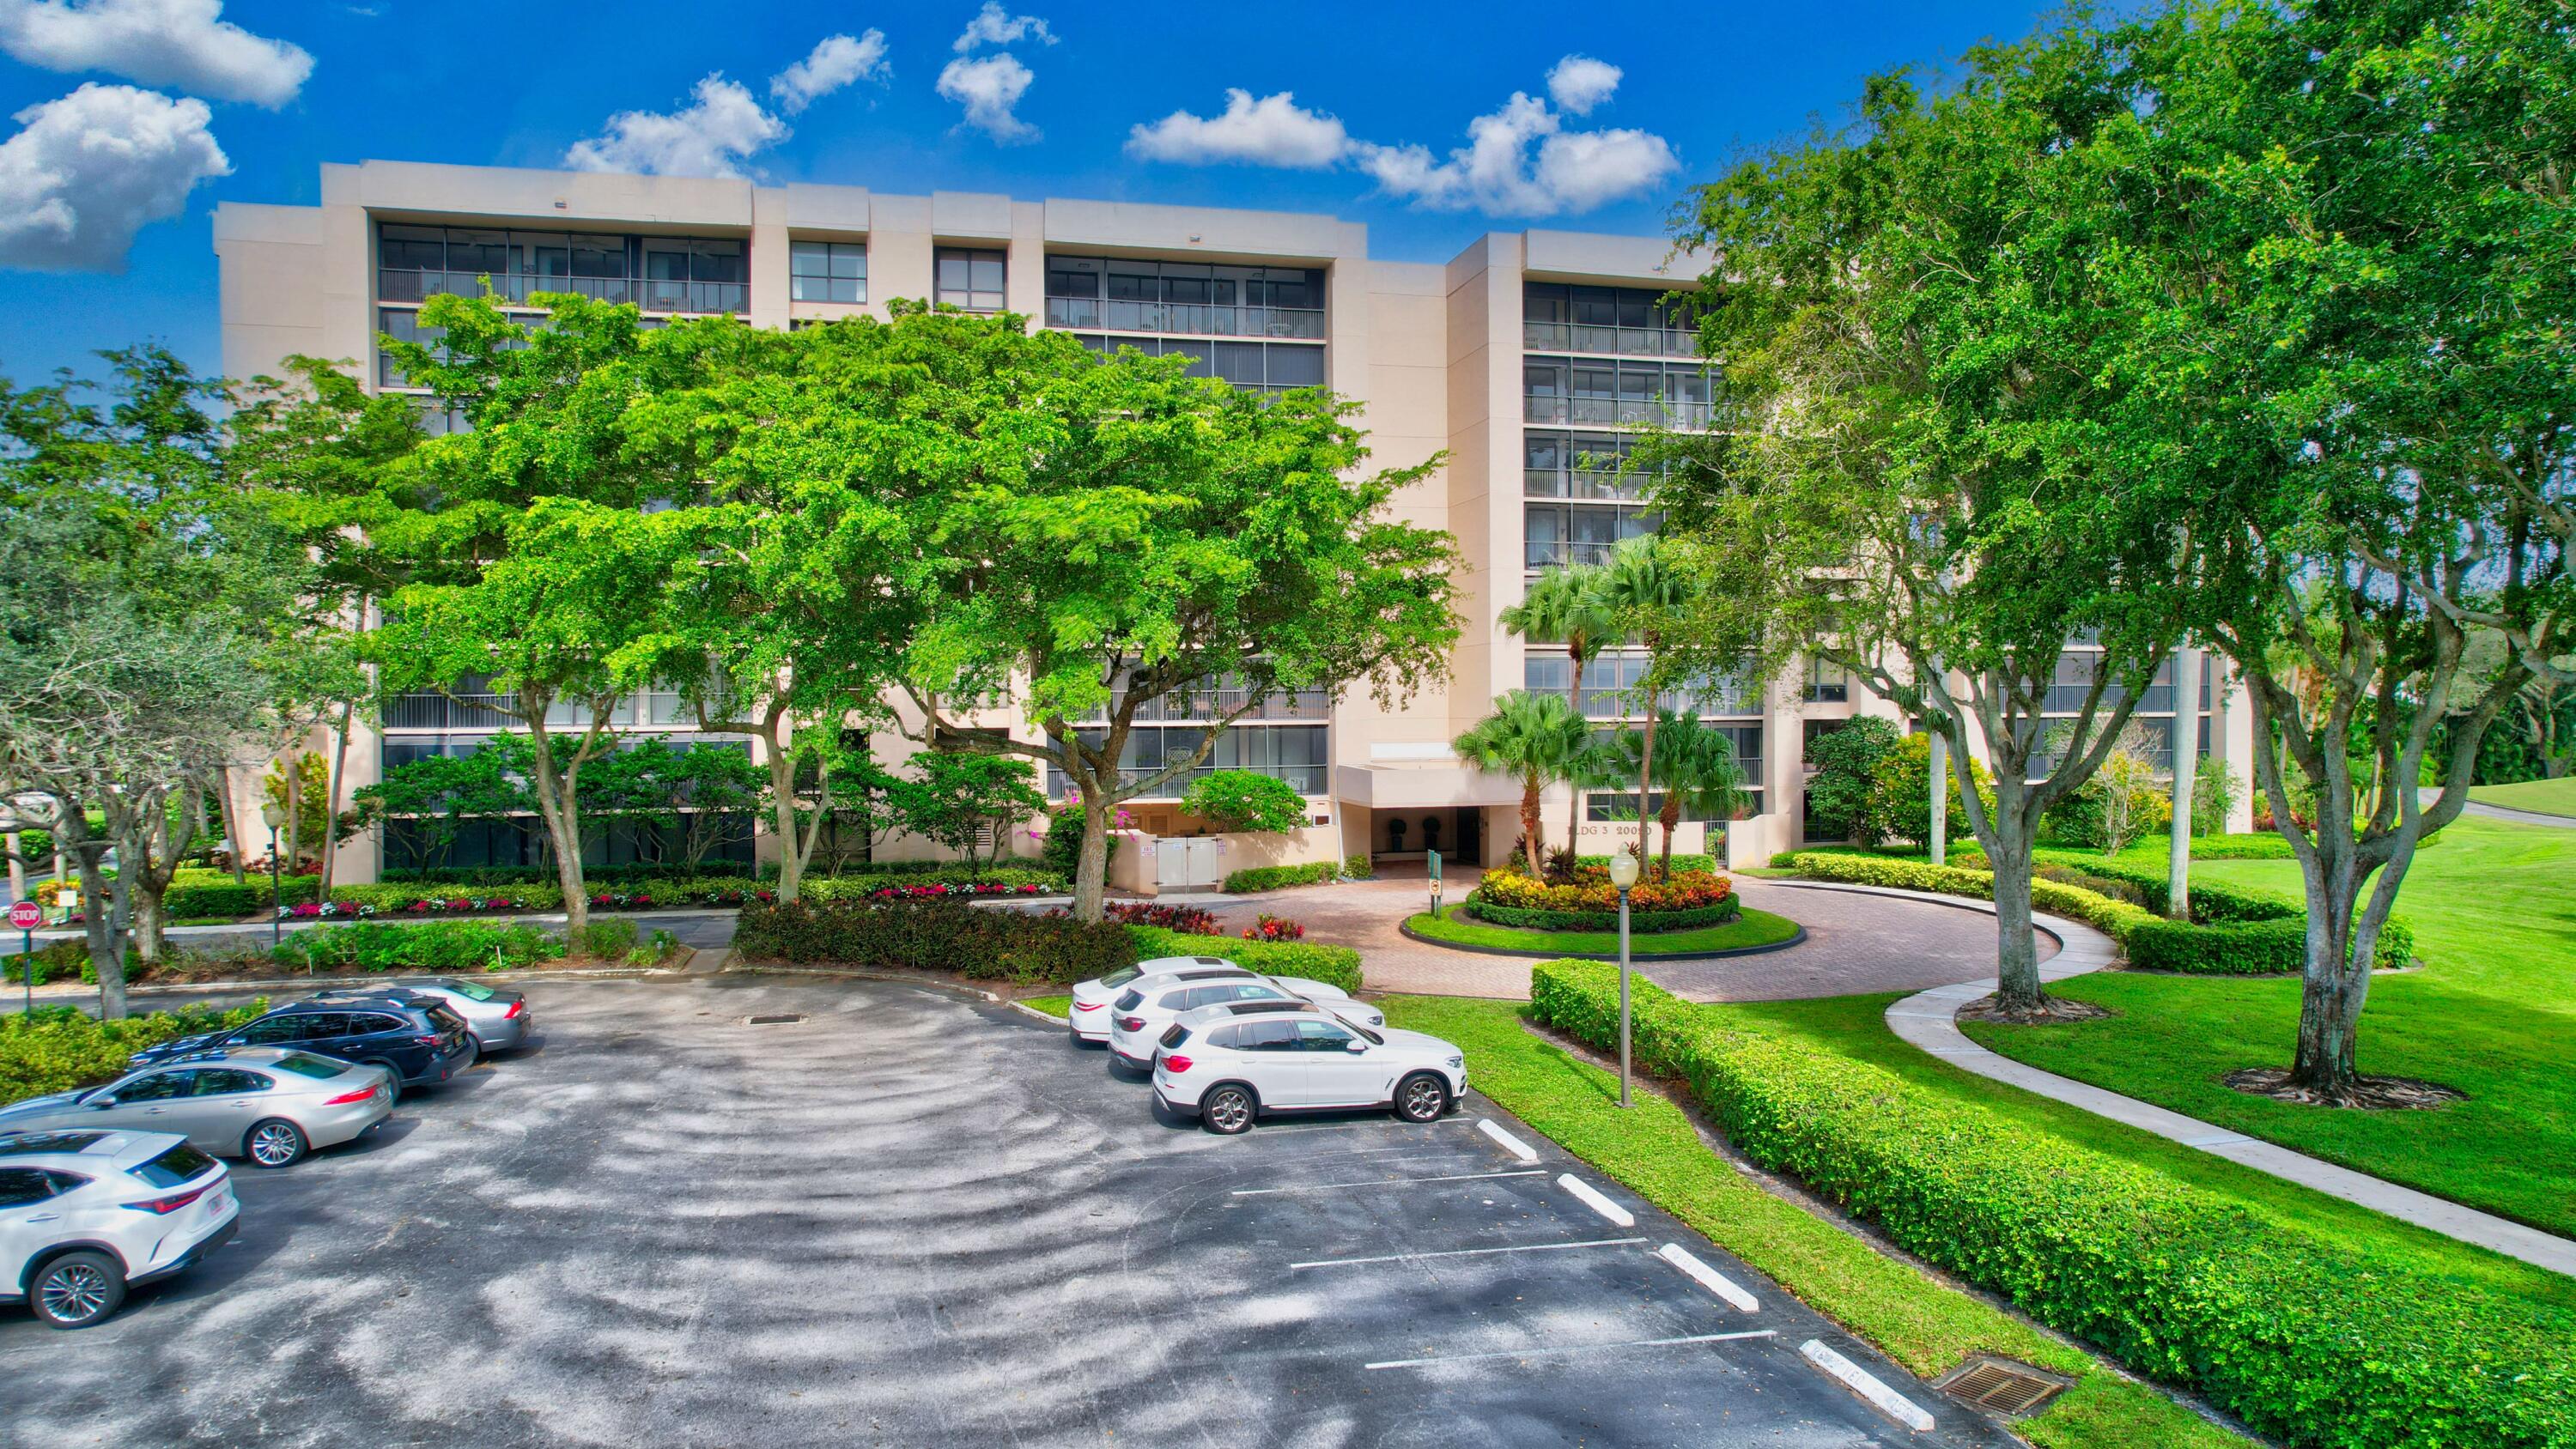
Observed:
{"x":1055,"y":1006}
{"x":1750,"y":928}
{"x":1916,"y":1320}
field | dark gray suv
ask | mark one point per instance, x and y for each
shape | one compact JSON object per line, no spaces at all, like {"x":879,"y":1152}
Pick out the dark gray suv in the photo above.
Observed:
{"x":419,"y":1041}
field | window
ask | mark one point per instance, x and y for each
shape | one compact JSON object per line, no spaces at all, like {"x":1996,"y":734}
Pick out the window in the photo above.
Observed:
{"x":20,"y":1186}
{"x":174,"y":1167}
{"x":305,"y":1064}
{"x":1321,"y":1036}
{"x":403,"y":325}
{"x":1269,"y":1036}
{"x":827,"y":271}
{"x":665,"y":274}
{"x":322,"y":1026}
{"x":225,"y":1082}
{"x":269,"y":1031}
{"x":158,"y":1087}
{"x":971,"y":280}
{"x":1827,"y":683}
{"x":1132,"y":295}
{"x":1632,"y":321}
{"x":367,"y":1023}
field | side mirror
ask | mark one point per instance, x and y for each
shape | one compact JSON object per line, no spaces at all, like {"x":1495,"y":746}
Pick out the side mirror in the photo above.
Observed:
{"x":1355,"y":1046}
{"x":95,"y":1103}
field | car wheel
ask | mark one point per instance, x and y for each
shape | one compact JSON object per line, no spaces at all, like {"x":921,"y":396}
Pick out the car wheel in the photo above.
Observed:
{"x":77,"y":1290}
{"x":273,"y":1142}
{"x":393,"y":1083}
{"x":1227,"y":1110}
{"x":1421,"y":1098}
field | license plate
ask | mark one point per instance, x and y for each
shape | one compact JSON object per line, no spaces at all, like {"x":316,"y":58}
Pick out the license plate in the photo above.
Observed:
{"x":217,"y":1201}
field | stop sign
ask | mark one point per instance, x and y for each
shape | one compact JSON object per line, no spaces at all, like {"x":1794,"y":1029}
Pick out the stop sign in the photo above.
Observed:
{"x":26,"y":915}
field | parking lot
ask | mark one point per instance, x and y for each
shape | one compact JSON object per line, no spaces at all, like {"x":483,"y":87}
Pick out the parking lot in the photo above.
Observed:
{"x":908,"y":1219}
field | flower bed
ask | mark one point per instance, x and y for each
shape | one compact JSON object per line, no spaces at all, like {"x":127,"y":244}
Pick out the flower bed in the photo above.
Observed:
{"x":1274,"y":928}
{"x":1687,"y":901}
{"x":1188,"y":920}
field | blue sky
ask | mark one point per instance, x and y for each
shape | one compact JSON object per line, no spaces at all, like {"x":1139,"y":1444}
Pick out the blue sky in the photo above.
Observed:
{"x":123,"y":105}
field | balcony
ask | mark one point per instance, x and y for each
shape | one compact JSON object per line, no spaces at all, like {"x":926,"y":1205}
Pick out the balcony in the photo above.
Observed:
{"x":1197,"y":319}
{"x":1616,"y":341}
{"x":1563,"y":553}
{"x":1612,"y":412}
{"x":403,"y":284}
{"x":1598,"y":485}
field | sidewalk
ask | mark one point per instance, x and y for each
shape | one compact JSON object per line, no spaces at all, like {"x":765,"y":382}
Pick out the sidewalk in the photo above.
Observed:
{"x":1927,"y":1019}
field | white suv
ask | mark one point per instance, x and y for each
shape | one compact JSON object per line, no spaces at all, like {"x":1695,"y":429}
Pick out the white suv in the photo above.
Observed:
{"x":1088,"y":1014}
{"x":85,"y":1215}
{"x":1150,"y":1003}
{"x":1228,"y":1064}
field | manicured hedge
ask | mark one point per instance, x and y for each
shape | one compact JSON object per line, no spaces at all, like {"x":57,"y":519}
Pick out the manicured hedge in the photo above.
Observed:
{"x":2211,"y":902}
{"x":1332,"y":965}
{"x":60,"y":1048}
{"x":1640,"y":922}
{"x":945,"y":935}
{"x":1682,"y":864}
{"x":2307,"y":1342}
{"x":2232,"y":947}
{"x":428,"y":946}
{"x":1279,"y":877}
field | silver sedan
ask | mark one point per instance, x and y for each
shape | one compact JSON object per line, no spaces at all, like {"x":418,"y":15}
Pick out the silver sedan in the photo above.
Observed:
{"x":268,"y":1104}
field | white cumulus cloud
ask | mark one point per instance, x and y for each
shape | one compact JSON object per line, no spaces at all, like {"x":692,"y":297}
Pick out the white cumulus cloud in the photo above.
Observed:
{"x":837,"y":61}
{"x":86,"y":172}
{"x":720,"y":129}
{"x":990,"y":87}
{"x":994,"y":25}
{"x":183,"y":44}
{"x":1578,"y":82}
{"x":1271,"y":131}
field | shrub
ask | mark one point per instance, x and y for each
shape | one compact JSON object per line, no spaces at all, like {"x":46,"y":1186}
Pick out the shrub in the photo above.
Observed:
{"x":1279,"y":877}
{"x":1590,"y":898}
{"x":1840,"y":792}
{"x":935,"y":935}
{"x":608,"y":940}
{"x":1274,"y":928}
{"x":1187,"y":920}
{"x":1359,"y":867}
{"x":1900,"y":798}
{"x":1332,"y":965}
{"x":1683,"y":864}
{"x":854,"y":884}
{"x":2265,"y":1319}
{"x":431,"y":946}
{"x":1246,"y":800}
{"x":2218,"y":948}
{"x":65,"y":960}
{"x":60,"y":1048}
{"x":1061,"y":849}
{"x":1645,"y":924}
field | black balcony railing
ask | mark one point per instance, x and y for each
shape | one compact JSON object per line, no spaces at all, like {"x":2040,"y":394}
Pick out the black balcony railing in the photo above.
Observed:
{"x":1201,"y":319}
{"x":1618,"y":341}
{"x":1614,"y":412}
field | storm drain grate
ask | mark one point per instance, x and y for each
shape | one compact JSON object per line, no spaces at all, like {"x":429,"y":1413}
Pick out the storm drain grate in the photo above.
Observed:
{"x":784,"y":1018}
{"x":2000,"y":1384}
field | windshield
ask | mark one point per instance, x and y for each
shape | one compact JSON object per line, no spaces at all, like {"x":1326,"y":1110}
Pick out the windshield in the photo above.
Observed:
{"x":470,"y":991}
{"x":1364,"y":1031}
{"x":1128,"y":1001}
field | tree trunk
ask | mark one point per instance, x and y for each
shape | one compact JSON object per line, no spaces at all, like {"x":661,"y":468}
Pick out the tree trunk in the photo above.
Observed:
{"x":1671,"y":817}
{"x":2186,"y":773}
{"x":17,"y":871}
{"x":2335,"y":978}
{"x":336,"y":780}
{"x":557,"y":805}
{"x":782,"y":800}
{"x":2016,"y":954}
{"x":1091,"y":875}
{"x":1574,"y":806}
{"x":294,"y":813}
{"x":1645,"y":774}
{"x":232,"y":822}
{"x":1531,"y":822}
{"x":102,"y":909}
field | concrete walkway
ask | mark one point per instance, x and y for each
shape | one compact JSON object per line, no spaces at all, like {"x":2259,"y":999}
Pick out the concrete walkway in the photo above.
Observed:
{"x":2485,"y":811}
{"x":1928,"y":1019}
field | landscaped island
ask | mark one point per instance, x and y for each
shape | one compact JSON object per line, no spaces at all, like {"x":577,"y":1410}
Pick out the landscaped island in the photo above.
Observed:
{"x":1692,"y":912}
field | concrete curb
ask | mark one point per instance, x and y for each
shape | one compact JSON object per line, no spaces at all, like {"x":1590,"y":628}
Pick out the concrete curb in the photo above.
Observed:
{"x":49,"y":995}
{"x":1928,"y":1020}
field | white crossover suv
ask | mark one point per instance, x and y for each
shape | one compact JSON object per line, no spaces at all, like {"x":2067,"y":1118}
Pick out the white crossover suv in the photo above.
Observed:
{"x":86,"y":1215}
{"x":1151,"y":1003}
{"x":1097,"y":1004}
{"x":1228,"y":1064}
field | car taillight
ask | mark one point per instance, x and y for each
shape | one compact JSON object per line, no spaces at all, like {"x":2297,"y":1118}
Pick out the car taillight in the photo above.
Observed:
{"x":429,"y":1041}
{"x":345,"y":1098}
{"x":170,"y":1204}
{"x":1131,"y":1023}
{"x":1177,"y":1064}
{"x":1088,"y":1005}
{"x":515,"y":1008}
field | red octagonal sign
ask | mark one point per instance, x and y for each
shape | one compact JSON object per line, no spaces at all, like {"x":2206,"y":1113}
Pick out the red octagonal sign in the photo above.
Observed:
{"x":26,"y":915}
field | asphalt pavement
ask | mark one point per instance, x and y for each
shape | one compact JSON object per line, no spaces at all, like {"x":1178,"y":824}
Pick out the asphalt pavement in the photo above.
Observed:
{"x":914,"y":1219}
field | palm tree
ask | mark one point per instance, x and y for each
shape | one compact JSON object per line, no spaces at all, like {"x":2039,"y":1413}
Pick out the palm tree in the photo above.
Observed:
{"x":1695,"y":768}
{"x":1537,"y":737}
{"x":1643,"y":593}
{"x":1565,"y":607}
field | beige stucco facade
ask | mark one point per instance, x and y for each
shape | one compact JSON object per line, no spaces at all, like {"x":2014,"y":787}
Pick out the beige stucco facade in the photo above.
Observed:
{"x":1442,"y":358}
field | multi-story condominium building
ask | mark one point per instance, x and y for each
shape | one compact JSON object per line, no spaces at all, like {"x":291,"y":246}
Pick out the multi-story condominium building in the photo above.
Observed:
{"x":1531,"y":359}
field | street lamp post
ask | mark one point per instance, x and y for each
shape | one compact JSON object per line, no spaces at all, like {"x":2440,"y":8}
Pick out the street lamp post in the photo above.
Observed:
{"x":276,"y":818}
{"x":1623,"y":874}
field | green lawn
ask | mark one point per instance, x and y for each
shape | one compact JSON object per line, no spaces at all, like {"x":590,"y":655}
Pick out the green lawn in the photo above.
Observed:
{"x":1055,"y":1006}
{"x":1654,"y":1150}
{"x":1750,"y":928}
{"x":2549,"y":797}
{"x":2492,"y":1012}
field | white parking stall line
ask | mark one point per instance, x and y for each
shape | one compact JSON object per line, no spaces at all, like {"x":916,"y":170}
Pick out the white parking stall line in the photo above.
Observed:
{"x":1464,"y":1253}
{"x":1349,"y":1126}
{"x":1389,"y":1182}
{"x":1708,"y":1277}
{"x":1511,"y":1144}
{"x":1862,"y":1382}
{"x":1593,"y":1199}
{"x":1398,"y":1363}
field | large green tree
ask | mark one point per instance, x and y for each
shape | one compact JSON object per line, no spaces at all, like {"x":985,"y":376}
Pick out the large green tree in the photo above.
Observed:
{"x":1919,"y":471}
{"x":1112,"y":532}
{"x":1565,"y":607}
